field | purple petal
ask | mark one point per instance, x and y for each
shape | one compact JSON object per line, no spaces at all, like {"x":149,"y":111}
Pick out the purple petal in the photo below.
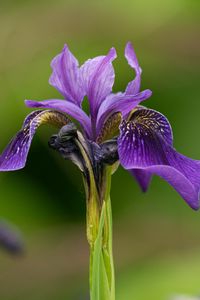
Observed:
{"x":133,"y":87}
{"x":145,"y":143}
{"x":98,"y":78}
{"x":143,"y":178}
{"x":66,"y":76}
{"x":66,"y":107}
{"x":10,"y":238}
{"x":15,"y":155}
{"x":119,"y":103}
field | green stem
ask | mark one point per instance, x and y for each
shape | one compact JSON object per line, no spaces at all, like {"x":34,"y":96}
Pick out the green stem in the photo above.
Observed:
{"x":99,"y":229}
{"x":102,"y":280}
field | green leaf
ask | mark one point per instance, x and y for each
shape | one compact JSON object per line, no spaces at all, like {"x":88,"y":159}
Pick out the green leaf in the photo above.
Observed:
{"x":102,"y":269}
{"x":99,"y":281}
{"x":110,"y":247}
{"x":102,"y":282}
{"x":96,"y":259}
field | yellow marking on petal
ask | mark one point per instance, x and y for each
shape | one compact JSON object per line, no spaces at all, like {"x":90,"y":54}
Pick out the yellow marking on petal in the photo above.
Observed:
{"x":52,"y":117}
{"x":138,"y":107}
{"x":110,"y":128}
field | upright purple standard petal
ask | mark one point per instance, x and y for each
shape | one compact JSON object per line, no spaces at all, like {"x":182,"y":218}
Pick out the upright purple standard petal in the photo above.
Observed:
{"x":66,"y":107}
{"x":15,"y":155}
{"x":133,"y":87}
{"x":145,"y":143}
{"x":66,"y":76}
{"x":123,"y":102}
{"x":98,"y":78}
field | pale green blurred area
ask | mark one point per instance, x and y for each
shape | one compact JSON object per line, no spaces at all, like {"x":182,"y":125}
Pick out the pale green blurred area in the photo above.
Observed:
{"x":156,"y":235}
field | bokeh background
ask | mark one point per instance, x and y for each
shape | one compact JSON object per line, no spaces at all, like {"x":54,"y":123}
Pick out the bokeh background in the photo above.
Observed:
{"x":156,"y":235}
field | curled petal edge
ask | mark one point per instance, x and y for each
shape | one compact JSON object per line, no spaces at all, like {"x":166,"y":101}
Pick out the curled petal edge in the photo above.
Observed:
{"x":15,"y":154}
{"x":66,"y":107}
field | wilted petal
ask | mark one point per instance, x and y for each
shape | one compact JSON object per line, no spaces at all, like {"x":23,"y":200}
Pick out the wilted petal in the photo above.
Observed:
{"x":15,"y":155}
{"x":66,"y":107}
{"x":145,"y":143}
{"x":66,"y":76}
{"x":133,"y":87}
{"x":98,"y":78}
{"x":119,"y":103}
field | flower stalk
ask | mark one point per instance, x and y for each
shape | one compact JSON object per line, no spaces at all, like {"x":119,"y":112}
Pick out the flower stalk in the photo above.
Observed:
{"x":102,"y":279}
{"x":97,"y":164}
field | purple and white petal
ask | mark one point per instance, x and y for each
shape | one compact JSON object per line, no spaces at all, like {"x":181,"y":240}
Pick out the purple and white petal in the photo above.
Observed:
{"x":66,"y":76}
{"x":98,"y":79}
{"x":119,"y":103}
{"x":66,"y":107}
{"x":145,"y":142}
{"x":15,"y":155}
{"x":143,"y":177}
{"x":133,"y":86}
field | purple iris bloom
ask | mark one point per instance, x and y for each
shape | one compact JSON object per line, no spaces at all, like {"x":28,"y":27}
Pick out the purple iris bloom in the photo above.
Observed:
{"x":10,"y":238}
{"x":140,"y":138}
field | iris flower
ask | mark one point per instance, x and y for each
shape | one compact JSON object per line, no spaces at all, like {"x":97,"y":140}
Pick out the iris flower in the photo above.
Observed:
{"x":117,"y":127}
{"x":117,"y":130}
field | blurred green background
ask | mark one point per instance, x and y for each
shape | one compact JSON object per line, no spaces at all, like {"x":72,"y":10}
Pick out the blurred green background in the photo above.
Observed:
{"x":156,"y":235}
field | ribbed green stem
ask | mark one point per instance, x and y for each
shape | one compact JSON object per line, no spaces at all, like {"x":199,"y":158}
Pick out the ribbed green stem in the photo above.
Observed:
{"x":99,"y":229}
{"x":102,"y":279}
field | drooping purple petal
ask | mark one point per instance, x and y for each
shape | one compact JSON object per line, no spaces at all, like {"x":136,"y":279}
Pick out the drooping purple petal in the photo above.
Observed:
{"x":133,"y":86}
{"x":98,"y":78}
{"x":66,"y":107}
{"x":66,"y":77}
{"x":145,"y":143}
{"x":119,"y":103}
{"x":143,"y":178}
{"x":15,"y":155}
